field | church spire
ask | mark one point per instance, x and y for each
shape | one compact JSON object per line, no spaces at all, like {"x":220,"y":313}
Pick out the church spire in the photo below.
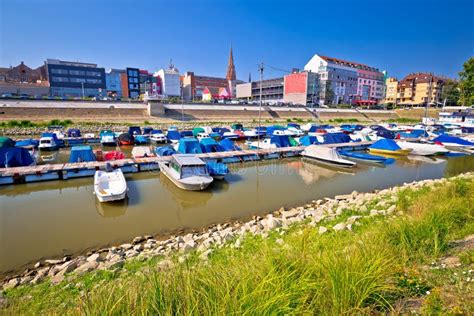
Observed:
{"x":230,"y":67}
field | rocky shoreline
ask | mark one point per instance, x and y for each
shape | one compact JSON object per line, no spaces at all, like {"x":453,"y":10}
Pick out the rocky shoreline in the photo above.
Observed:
{"x":320,"y":214}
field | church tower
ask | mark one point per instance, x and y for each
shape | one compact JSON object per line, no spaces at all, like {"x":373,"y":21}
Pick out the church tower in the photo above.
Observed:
{"x":231,"y":68}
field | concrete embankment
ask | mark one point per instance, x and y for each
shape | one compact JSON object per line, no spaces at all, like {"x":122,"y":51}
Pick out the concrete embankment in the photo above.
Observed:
{"x":139,"y":112}
{"x":325,"y":215}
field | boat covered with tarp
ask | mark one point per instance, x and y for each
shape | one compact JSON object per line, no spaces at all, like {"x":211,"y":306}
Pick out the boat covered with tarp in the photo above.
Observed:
{"x":454,"y":141}
{"x":165,"y":151}
{"x":6,"y":142}
{"x":327,"y":156}
{"x":217,"y":170}
{"x":229,"y":145}
{"x":74,"y":132}
{"x":125,"y":139}
{"x":81,"y":154}
{"x":27,"y":143}
{"x":336,"y":138}
{"x":388,"y":147}
{"x":15,"y":157}
{"x":189,"y":146}
{"x":210,"y":145}
{"x":308,"y":140}
{"x":134,"y":130}
{"x":114,"y":155}
{"x":173,"y":136}
{"x":141,"y":139}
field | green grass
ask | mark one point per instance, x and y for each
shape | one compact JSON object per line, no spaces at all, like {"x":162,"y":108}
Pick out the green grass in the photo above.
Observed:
{"x":404,"y":120}
{"x":344,"y":120}
{"x":366,"y":271}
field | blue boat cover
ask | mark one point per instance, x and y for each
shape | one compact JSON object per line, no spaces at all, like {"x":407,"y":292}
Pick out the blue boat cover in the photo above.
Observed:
{"x":228,"y":145}
{"x":467,"y":130}
{"x":444,"y":138}
{"x":280,"y":140}
{"x":14,"y":157}
{"x":189,"y":146}
{"x":217,"y":168}
{"x":27,"y":143}
{"x":364,"y":156}
{"x":147,"y":130}
{"x":165,"y":151}
{"x":73,"y":132}
{"x":156,"y":131}
{"x":186,"y":134}
{"x":81,"y":154}
{"x":209,"y":145}
{"x":173,"y":135}
{"x":336,"y":138}
{"x":293,"y":125}
{"x":271,"y":129}
{"x":313,"y":128}
{"x":134,"y":130}
{"x":141,"y":139}
{"x":308,"y":140}
{"x":107,"y":133}
{"x":6,"y":142}
{"x":416,"y":133}
{"x":386,"y":144}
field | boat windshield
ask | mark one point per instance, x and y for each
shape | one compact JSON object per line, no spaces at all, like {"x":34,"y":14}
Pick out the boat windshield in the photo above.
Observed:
{"x":45,"y":141}
{"x":190,"y":171}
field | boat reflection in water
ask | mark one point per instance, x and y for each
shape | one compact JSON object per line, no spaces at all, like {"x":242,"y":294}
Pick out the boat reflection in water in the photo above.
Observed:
{"x":51,"y":157}
{"x":311,"y":173}
{"x":112,"y":209}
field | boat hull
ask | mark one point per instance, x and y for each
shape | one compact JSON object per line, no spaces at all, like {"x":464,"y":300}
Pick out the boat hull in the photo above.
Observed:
{"x":183,"y":184}
{"x":399,"y":152}
{"x":102,"y":195}
{"x":333,"y":163}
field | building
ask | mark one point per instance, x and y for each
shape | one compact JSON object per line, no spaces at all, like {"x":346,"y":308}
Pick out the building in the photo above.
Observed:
{"x":301,"y":88}
{"x":22,"y":79}
{"x":170,"y":81}
{"x":146,"y":82}
{"x":272,"y":90}
{"x":113,"y":83}
{"x":75,"y":79}
{"x":391,"y":90}
{"x":346,"y":82}
{"x":130,"y":81}
{"x":420,"y":89}
{"x":194,"y":86}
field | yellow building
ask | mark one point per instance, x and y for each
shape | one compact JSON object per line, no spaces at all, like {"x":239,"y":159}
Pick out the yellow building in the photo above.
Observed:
{"x":420,"y":89}
{"x":391,"y":92}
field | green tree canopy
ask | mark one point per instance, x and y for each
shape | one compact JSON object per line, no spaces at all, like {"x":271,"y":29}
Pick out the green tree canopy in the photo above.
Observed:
{"x":466,"y":84}
{"x":450,"y":92}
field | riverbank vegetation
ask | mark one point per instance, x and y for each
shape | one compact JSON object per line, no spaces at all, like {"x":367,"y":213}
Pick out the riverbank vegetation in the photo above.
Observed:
{"x":419,"y":259}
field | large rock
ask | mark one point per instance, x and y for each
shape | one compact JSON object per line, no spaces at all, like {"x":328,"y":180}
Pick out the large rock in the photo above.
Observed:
{"x":11,"y":284}
{"x":95,"y":257}
{"x":353,"y":219}
{"x":86,"y":267}
{"x":270,"y":223}
{"x":322,"y":230}
{"x":339,"y":227}
{"x":291,"y":213}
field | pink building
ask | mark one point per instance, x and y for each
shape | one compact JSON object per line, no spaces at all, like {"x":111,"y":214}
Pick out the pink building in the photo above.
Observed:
{"x":370,"y":85}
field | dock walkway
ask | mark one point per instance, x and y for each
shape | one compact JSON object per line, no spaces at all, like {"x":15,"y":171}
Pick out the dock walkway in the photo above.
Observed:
{"x":64,"y":171}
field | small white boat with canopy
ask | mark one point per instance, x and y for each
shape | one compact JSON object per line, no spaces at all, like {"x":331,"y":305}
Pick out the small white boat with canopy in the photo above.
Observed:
{"x":187,"y":172}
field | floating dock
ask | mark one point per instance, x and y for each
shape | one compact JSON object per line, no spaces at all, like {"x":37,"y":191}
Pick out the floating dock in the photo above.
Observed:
{"x":64,"y":171}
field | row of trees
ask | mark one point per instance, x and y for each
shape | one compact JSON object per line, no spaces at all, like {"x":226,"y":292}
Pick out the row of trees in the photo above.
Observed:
{"x":461,"y":92}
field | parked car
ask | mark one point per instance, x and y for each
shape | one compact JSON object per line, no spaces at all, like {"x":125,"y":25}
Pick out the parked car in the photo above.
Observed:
{"x":7,"y":95}
{"x":24,"y":96}
{"x":234,"y":102}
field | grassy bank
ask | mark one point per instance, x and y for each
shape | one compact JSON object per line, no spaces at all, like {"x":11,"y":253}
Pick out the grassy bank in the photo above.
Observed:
{"x":384,"y":264}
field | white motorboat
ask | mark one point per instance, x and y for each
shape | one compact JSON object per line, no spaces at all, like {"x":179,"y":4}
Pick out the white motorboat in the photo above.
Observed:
{"x":293,"y":131}
{"x":422,"y":149}
{"x":327,"y":156}
{"x":250,"y":133}
{"x":157,"y":136}
{"x":202,"y":135}
{"x":187,"y":172}
{"x":263,"y":144}
{"x":48,"y":143}
{"x":110,"y":185}
{"x":142,"y":152}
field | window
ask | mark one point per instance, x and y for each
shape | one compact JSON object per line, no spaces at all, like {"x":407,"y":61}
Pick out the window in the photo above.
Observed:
{"x":94,"y":81}
{"x":77,"y":80}
{"x":60,"y":79}
{"x":59,"y":71}
{"x":77,"y":72}
{"x":93,"y":73}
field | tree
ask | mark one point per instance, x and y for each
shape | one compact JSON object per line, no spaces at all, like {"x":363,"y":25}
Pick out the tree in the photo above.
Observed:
{"x":450,"y":92}
{"x":466,"y":83}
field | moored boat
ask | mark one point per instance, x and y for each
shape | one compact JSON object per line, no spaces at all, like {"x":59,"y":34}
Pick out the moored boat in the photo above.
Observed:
{"x":388,"y":147}
{"x":422,"y":149}
{"x":326,"y":155}
{"x":125,"y":139}
{"x":366,"y":158}
{"x":110,"y":185}
{"x":142,"y":152}
{"x":157,"y":136}
{"x":217,"y":170}
{"x":48,"y":141}
{"x":81,"y":154}
{"x":107,"y":138}
{"x":187,"y":172}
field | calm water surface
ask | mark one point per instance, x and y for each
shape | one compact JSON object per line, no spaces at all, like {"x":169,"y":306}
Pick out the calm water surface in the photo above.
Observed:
{"x":51,"y":219}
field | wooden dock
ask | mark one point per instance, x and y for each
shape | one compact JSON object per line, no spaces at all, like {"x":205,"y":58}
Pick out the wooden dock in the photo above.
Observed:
{"x":64,"y":171}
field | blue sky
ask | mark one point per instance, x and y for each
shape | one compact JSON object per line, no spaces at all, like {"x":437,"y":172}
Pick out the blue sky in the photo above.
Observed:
{"x":398,"y":36}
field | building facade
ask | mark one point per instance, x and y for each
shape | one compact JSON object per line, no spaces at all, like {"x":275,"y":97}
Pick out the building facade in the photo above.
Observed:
{"x":22,"y":79}
{"x":170,"y":81}
{"x":301,"y":88}
{"x":130,"y":81}
{"x":391,"y":90}
{"x":420,"y":89}
{"x":272,"y":90}
{"x":113,"y":83}
{"x":346,"y":82}
{"x":75,"y":79}
{"x":194,"y":86}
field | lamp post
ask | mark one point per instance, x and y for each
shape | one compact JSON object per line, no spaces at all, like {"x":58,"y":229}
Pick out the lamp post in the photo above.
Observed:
{"x":82,"y":84}
{"x":260,"y":106}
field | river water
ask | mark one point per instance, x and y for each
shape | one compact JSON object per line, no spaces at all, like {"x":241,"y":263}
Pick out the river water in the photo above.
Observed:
{"x":57,"y":218}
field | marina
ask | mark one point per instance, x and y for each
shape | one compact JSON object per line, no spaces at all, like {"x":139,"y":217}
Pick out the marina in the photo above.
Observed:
{"x":57,"y":218}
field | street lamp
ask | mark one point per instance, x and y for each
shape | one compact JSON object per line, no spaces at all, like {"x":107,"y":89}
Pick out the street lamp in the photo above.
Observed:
{"x":82,"y":84}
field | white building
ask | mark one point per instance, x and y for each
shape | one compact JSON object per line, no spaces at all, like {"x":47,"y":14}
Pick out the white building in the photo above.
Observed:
{"x":171,"y":84}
